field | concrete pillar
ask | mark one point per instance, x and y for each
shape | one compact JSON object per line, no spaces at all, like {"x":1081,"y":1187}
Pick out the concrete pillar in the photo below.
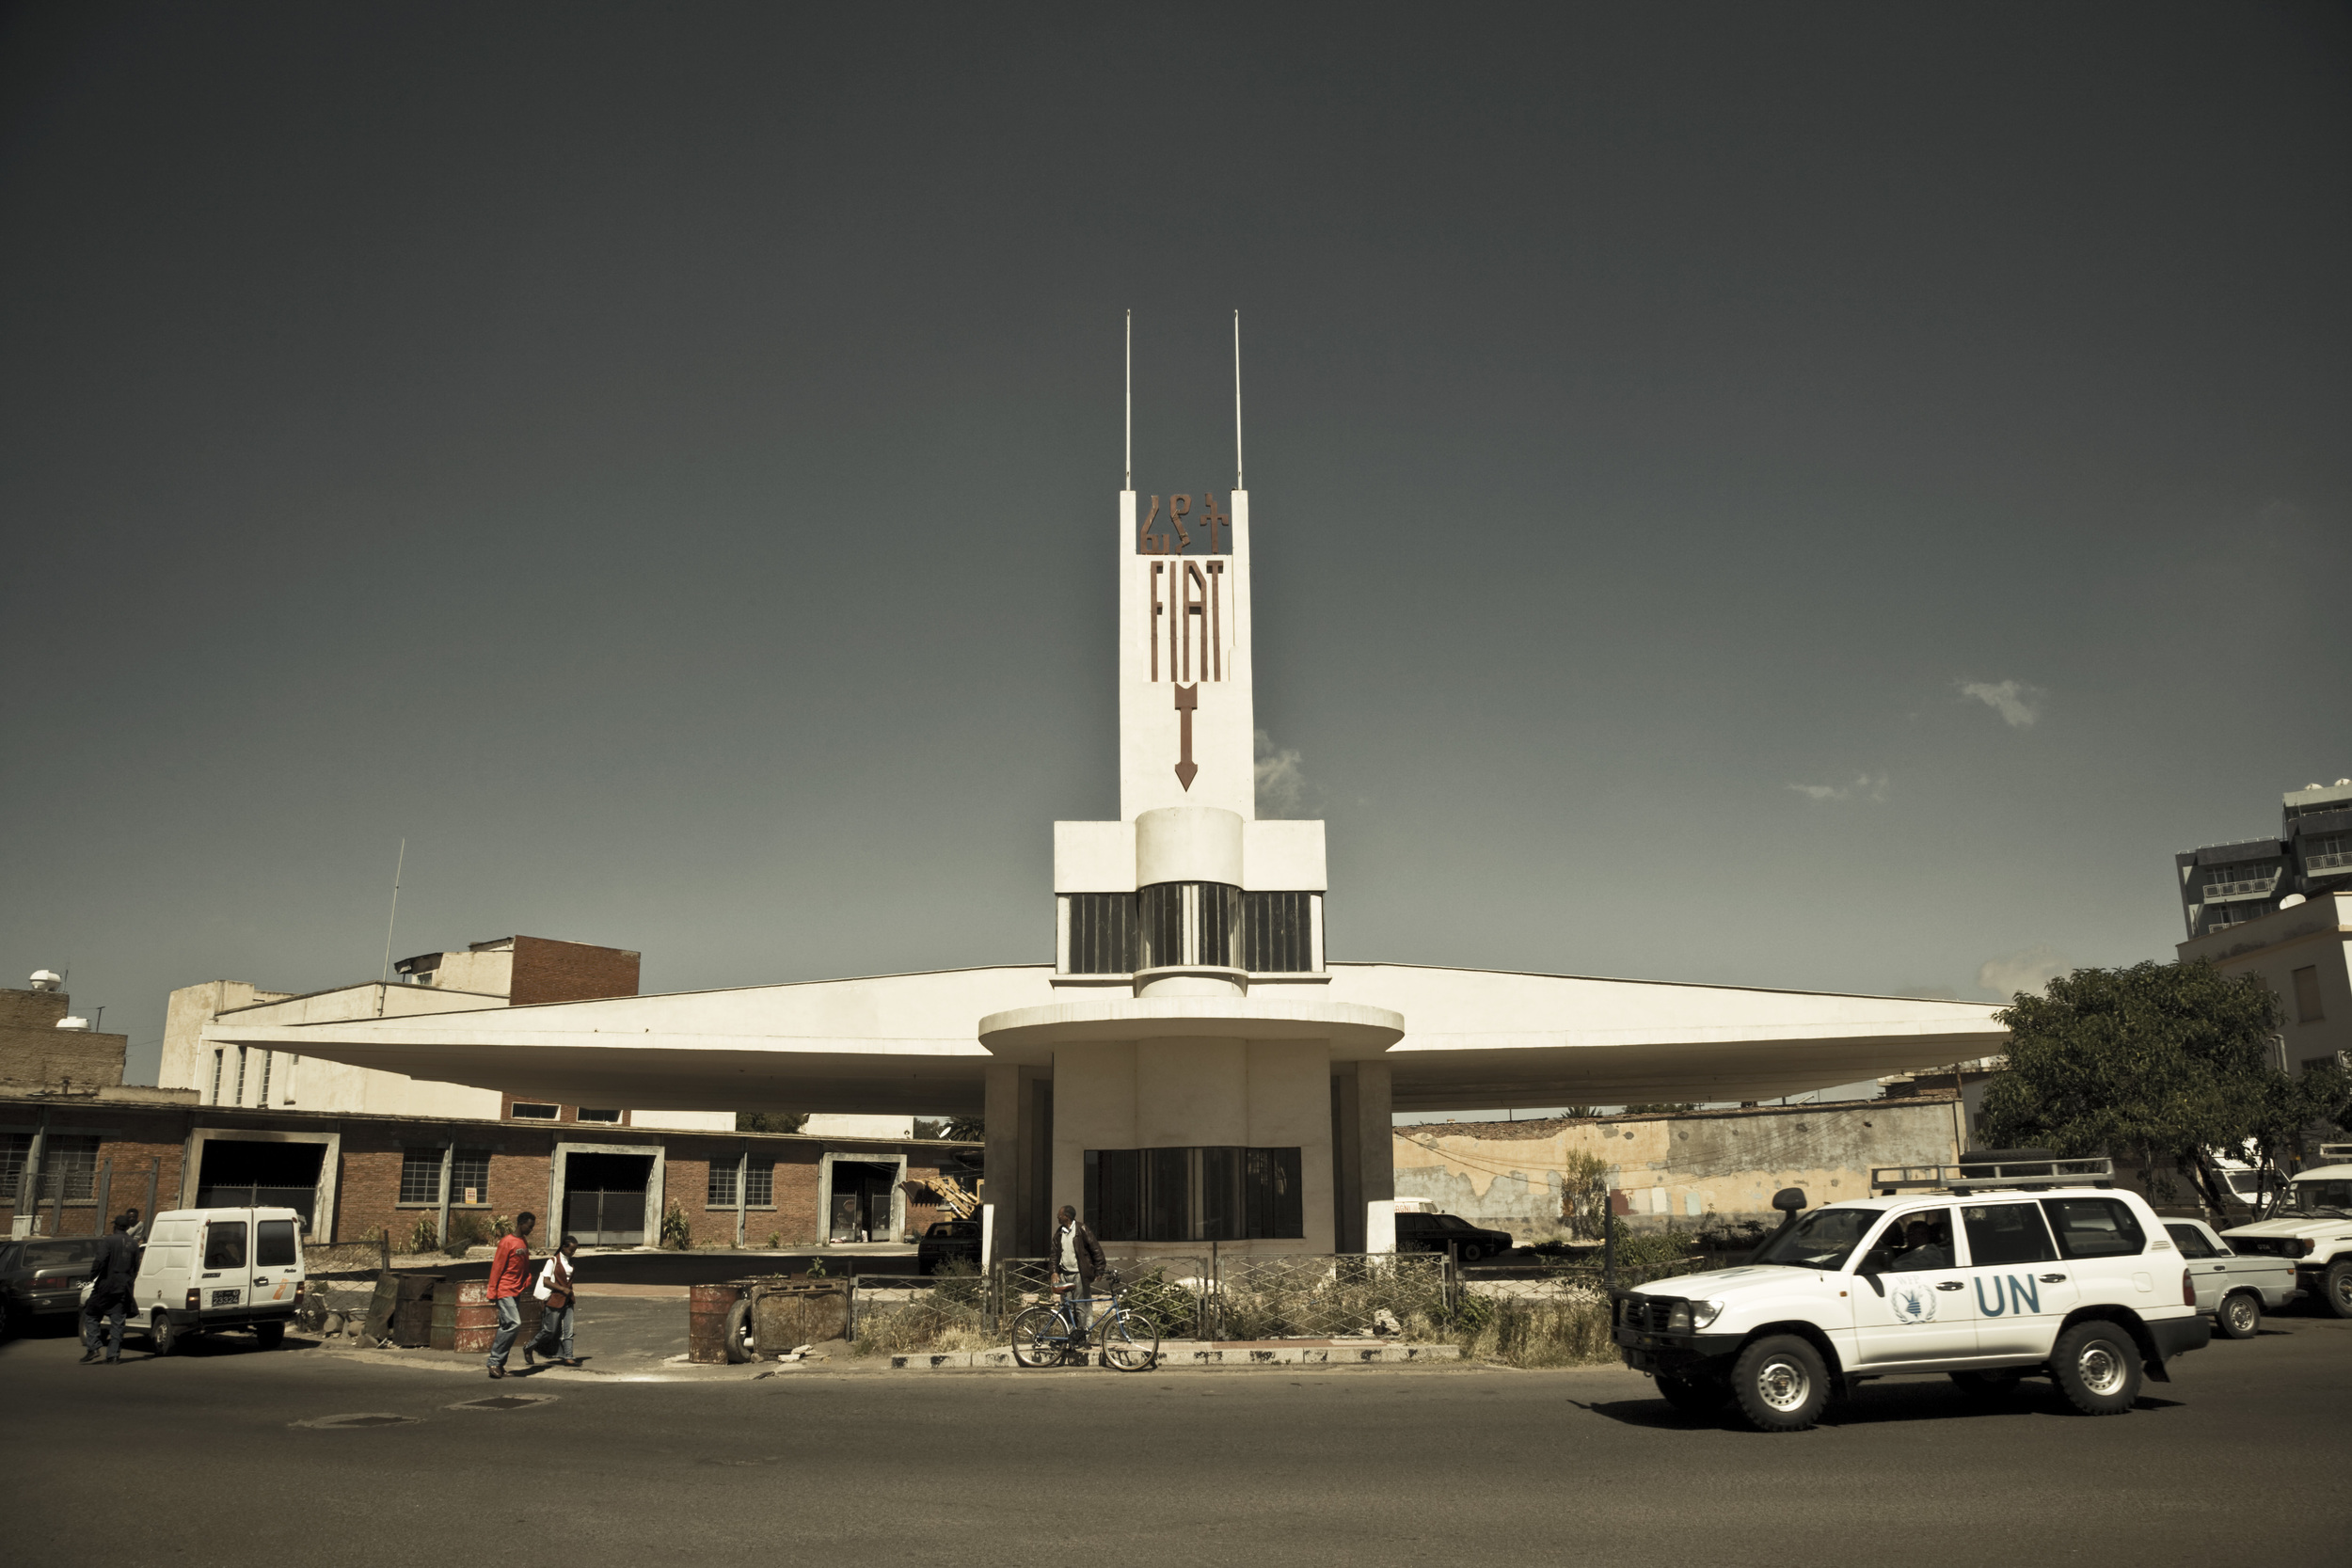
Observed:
{"x":1000,"y":1181}
{"x":1376,"y":1120}
{"x":1347,"y":1161}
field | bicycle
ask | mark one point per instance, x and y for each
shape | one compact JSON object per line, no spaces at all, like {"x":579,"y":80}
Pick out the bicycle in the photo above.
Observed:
{"x":1050,"y":1336}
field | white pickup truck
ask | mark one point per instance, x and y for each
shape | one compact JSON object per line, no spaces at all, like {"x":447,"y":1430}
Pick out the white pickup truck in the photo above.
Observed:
{"x":1978,"y":1271}
{"x":2233,"y":1288}
{"x":2310,"y":1227}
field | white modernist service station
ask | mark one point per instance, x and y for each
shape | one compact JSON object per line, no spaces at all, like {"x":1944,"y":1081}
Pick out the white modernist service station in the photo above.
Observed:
{"x":1190,"y":1067}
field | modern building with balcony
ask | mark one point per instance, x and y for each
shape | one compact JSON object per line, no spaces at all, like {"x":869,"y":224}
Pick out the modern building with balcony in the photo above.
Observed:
{"x":2227,"y":884}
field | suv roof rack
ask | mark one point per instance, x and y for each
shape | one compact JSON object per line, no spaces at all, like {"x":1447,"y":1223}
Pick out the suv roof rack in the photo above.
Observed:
{"x":1970,"y":1175}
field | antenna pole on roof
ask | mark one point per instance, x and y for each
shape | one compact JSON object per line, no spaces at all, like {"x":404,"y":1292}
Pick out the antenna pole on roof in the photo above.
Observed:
{"x":1237,"y":480}
{"x":397,"y":865}
{"x":1131,"y":399}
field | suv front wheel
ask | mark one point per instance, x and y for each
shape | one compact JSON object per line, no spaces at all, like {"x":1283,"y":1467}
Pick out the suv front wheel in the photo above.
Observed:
{"x":1781,"y":1384}
{"x":2096,"y":1366}
{"x":2335,"y":1288}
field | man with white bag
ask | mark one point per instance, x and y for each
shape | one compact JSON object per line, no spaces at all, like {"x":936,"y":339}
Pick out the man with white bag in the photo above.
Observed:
{"x":554,"y":1289}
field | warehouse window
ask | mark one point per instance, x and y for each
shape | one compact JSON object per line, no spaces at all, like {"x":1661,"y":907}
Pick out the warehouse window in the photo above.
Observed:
{"x":420,"y":1176}
{"x":759,"y":1184}
{"x":15,"y":1149}
{"x":529,"y":1112}
{"x":469,"y":1177}
{"x":1194,"y":1195}
{"x":587,"y":1114}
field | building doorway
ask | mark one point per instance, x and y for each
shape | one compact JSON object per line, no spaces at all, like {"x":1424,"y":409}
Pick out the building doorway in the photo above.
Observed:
{"x":863,"y":1199}
{"x":237,"y":1174}
{"x":604,"y":1198}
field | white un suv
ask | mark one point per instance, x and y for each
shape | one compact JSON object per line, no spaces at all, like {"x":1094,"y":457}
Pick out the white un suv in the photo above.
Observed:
{"x":2311,"y":1226}
{"x":1988,"y":1272}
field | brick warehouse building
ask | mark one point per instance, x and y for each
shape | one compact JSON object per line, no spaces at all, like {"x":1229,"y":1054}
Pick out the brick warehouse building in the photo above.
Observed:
{"x":109,"y":1149}
{"x":365,"y":1153}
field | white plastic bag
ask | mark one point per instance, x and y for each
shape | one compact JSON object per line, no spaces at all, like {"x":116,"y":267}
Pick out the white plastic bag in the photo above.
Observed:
{"x":545,"y":1286}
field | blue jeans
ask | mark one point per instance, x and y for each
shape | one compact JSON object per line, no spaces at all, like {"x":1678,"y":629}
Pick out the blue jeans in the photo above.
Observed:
{"x":554,"y":1328}
{"x":510,"y":1324}
{"x":95,"y":1315}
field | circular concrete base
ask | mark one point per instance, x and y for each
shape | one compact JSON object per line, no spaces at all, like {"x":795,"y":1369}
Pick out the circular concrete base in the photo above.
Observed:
{"x":1031,"y":1034}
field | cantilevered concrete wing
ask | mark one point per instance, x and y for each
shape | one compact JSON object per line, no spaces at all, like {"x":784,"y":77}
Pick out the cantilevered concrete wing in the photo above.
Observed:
{"x":903,"y":1045}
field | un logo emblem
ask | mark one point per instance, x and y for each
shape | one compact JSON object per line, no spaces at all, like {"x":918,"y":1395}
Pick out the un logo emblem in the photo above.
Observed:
{"x":1912,"y":1302}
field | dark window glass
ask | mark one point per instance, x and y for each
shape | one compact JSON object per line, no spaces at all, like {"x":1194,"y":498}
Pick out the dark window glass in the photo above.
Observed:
{"x":1188,"y":923}
{"x":587,"y":1114}
{"x":2094,"y":1227}
{"x":535,"y":1112}
{"x":224,"y":1244}
{"x":469,"y":1177}
{"x":420,"y":1176}
{"x":2008,"y":1233}
{"x":274,"y":1244}
{"x":1102,"y":933}
{"x":1277,"y":932}
{"x":1167,"y":1195}
{"x":1194,"y":1195}
{"x":2190,"y":1239}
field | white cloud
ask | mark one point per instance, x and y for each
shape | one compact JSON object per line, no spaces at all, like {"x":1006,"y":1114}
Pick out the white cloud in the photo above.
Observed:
{"x":1280,"y":783}
{"x":1869,"y":786}
{"x":2029,"y":968}
{"x":2018,"y":703}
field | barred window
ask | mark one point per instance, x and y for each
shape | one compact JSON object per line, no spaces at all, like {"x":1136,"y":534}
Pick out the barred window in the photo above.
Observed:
{"x":719,"y":1193}
{"x":1278,"y":932}
{"x":469,"y":1177}
{"x":759,"y":1184}
{"x":73,"y":1162}
{"x":217,"y":1057}
{"x":268,"y":1057}
{"x":15,"y":1148}
{"x":420,"y":1176}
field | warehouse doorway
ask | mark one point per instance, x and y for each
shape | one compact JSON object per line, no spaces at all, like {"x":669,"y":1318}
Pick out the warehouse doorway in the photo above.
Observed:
{"x":606,"y":1198}
{"x":862,"y":1198}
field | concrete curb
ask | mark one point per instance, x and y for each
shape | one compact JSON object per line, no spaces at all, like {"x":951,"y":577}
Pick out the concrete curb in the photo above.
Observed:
{"x":1204,"y":1356}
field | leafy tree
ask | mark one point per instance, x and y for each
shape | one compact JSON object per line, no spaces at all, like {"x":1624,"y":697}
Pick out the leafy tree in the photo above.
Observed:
{"x":770,"y":1122}
{"x":963,"y":1129}
{"x":2150,"y":1064}
{"x":1661,"y":1107}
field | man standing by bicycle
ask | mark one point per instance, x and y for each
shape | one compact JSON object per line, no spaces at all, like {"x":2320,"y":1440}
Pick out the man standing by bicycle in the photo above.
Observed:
{"x":1077,"y":1259}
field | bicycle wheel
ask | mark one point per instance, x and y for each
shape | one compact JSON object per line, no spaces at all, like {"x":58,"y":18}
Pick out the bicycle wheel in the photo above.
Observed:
{"x":1130,"y":1343}
{"x":1040,"y":1338}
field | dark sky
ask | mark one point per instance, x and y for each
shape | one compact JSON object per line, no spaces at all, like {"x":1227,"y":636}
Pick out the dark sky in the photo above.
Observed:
{"x":662,"y":461}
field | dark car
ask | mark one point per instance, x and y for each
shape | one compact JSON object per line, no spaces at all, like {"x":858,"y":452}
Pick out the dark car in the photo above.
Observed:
{"x":945,"y":1242}
{"x":1436,"y":1232}
{"x":42,"y":1276}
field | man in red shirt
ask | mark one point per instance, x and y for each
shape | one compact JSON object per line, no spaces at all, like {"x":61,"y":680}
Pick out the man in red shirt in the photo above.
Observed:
{"x":509,"y":1275}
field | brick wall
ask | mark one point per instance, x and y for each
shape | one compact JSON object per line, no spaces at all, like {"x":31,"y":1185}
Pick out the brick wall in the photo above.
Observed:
{"x":548,"y":971}
{"x":33,"y":1049}
{"x":131,"y":1140}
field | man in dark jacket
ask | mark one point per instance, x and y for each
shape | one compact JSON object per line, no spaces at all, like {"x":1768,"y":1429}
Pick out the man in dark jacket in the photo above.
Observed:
{"x":1077,"y":1259}
{"x":112,"y":1272}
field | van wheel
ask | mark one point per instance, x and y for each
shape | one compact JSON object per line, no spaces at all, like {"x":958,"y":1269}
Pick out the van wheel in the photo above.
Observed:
{"x":1994,"y":1387}
{"x":2335,"y":1288}
{"x":1781,"y":1384}
{"x":1693,"y":1396}
{"x":270,"y":1334}
{"x":2097,"y":1368}
{"x":163,"y":1338}
{"x":741,"y":1348}
{"x":2241,"y":1316}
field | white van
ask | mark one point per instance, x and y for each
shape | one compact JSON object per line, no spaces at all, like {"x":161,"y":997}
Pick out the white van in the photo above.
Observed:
{"x":210,"y":1269}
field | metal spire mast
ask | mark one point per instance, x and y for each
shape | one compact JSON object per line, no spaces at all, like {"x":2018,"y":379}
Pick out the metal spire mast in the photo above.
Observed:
{"x":1131,"y":399}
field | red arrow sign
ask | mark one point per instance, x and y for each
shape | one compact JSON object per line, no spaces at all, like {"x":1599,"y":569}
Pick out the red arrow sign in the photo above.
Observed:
{"x":1187,"y":698}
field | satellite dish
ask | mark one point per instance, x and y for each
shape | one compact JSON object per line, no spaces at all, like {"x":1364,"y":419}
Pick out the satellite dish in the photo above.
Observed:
{"x":2290,"y":900}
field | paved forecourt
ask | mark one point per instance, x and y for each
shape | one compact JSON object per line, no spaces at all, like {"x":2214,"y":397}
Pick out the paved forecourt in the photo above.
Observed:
{"x":306,"y":1453}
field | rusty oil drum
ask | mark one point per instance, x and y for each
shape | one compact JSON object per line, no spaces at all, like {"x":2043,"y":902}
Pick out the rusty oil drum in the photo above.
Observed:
{"x":707,"y":1310}
{"x":465,"y":1320}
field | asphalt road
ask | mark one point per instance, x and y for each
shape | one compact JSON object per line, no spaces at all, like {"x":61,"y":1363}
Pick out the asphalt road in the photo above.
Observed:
{"x":201,"y":1459}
